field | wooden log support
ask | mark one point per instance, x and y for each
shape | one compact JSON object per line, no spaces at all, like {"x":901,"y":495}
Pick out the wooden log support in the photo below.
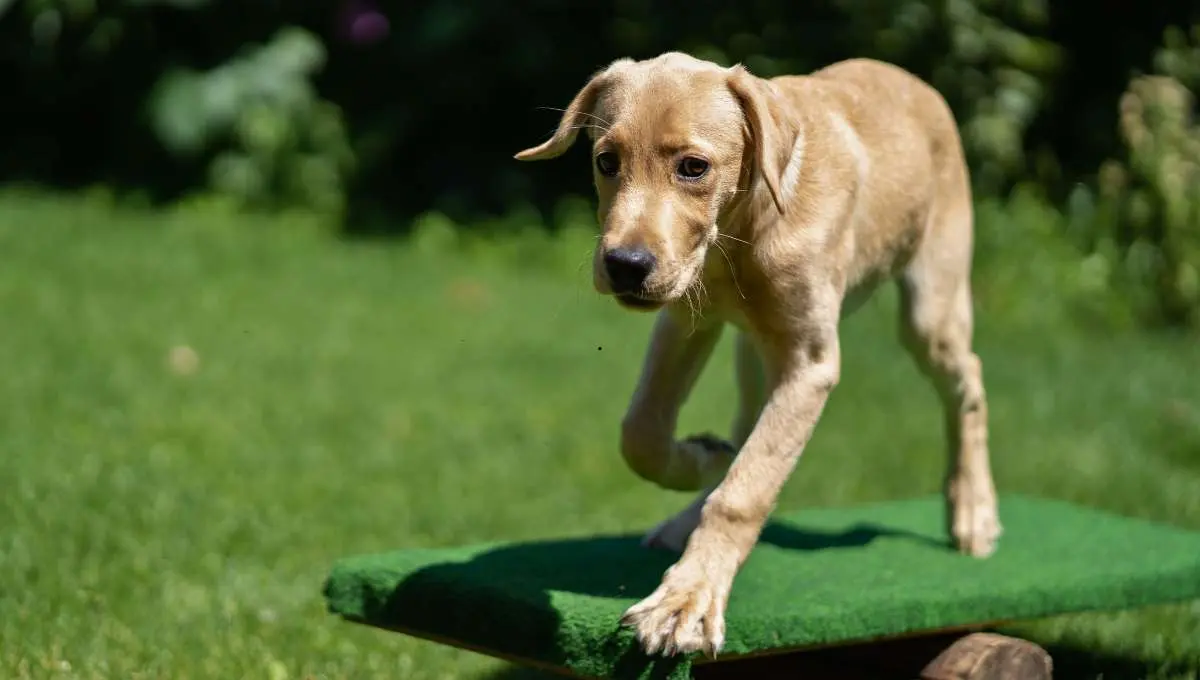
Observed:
{"x":989,"y":656}
{"x":971,"y":656}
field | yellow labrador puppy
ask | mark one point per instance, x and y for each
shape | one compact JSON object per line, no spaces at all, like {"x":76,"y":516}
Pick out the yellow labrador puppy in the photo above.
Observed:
{"x":775,"y":205}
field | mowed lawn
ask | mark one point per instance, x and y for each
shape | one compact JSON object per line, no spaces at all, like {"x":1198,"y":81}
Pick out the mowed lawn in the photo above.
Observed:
{"x":199,"y":414}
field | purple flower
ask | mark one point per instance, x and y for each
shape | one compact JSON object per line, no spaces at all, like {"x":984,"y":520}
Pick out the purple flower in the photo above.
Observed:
{"x":361,"y":22}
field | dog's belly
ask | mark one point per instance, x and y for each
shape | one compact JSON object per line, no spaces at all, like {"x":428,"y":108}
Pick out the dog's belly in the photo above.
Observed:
{"x":860,"y":294}
{"x":885,"y":235}
{"x":877,"y":266}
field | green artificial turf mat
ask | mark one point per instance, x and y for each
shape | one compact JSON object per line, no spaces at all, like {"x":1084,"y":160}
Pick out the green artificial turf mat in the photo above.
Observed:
{"x":818,"y":576}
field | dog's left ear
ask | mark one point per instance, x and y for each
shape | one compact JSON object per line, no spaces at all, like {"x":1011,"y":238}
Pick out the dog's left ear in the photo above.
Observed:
{"x":573,"y":118}
{"x":772,"y":136}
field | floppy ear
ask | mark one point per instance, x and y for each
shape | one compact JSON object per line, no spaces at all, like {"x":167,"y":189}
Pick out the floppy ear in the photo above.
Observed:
{"x":572,"y":120}
{"x":772,"y":136}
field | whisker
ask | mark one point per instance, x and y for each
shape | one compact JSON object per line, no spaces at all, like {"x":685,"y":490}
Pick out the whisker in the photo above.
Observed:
{"x":577,"y":289}
{"x":696,"y":295}
{"x":586,"y":126}
{"x":732,"y":273}
{"x":580,"y":127}
{"x":587,"y":257}
{"x":607,"y":125}
{"x":687,"y":294}
{"x":582,"y":113}
{"x":732,"y":238}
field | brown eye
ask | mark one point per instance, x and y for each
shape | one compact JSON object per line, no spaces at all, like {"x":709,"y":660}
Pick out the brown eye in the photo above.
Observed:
{"x":606,"y":164}
{"x":692,"y":168}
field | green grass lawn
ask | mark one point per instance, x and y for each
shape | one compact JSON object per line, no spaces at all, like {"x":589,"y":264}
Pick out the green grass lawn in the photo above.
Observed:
{"x":171,"y":513}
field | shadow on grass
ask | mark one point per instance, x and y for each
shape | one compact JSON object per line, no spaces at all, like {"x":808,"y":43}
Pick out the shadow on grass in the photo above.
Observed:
{"x":1070,"y":663}
{"x":506,"y":594}
{"x":1077,"y":663}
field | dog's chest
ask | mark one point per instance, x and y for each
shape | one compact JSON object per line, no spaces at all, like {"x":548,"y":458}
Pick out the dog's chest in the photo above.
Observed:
{"x":725,"y":293}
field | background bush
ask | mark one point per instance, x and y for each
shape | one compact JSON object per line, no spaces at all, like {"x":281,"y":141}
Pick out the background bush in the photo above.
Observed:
{"x":377,"y":113}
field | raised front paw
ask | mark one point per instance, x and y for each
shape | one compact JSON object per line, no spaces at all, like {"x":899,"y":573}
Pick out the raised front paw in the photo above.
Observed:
{"x":710,"y":444}
{"x":685,"y":614}
{"x":711,"y":455}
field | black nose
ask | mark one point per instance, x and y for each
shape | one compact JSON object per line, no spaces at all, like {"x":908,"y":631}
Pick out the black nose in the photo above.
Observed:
{"x":628,"y":268}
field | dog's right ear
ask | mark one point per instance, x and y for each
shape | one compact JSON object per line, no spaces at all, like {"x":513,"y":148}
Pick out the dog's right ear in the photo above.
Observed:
{"x":573,"y":119}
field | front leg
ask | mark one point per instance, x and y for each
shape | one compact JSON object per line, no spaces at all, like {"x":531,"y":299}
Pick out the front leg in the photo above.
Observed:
{"x":686,"y":613}
{"x":677,"y":354}
{"x":672,"y":533}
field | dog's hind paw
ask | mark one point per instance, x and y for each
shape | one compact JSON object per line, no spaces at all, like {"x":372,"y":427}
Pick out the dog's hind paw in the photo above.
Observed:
{"x":975,"y":520}
{"x":979,"y":534}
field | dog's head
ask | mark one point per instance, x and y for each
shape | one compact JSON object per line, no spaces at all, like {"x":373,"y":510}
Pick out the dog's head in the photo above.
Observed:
{"x":674,"y":140}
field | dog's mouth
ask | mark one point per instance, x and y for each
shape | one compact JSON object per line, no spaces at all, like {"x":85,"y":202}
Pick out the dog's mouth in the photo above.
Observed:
{"x":634,"y":301}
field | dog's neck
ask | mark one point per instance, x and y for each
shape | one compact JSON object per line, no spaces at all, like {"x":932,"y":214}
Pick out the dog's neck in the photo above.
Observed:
{"x":751,"y":209}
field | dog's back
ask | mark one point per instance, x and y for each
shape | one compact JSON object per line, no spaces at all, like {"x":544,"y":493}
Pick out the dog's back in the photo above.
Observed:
{"x":892,"y":137}
{"x":892,"y":110}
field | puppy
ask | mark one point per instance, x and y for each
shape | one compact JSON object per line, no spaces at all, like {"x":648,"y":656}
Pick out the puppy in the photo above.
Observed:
{"x":777,"y":206}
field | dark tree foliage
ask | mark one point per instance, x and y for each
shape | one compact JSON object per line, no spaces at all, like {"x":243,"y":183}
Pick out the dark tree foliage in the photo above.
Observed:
{"x":392,"y":108}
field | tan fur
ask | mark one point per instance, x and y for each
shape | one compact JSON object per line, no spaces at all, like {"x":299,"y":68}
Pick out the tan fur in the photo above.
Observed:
{"x":819,"y":188}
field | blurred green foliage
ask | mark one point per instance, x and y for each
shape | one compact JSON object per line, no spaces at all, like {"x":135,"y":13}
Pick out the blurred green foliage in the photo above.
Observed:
{"x":379,"y":113}
{"x":1140,"y":220}
{"x":276,"y":141}
{"x":1151,"y":212}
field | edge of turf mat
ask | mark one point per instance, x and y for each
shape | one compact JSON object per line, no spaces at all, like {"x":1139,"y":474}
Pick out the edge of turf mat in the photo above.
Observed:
{"x":818,"y":577}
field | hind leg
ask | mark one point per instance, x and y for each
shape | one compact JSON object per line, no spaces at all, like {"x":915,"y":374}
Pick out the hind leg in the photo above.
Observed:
{"x":936,"y":328}
{"x":673,"y":533}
